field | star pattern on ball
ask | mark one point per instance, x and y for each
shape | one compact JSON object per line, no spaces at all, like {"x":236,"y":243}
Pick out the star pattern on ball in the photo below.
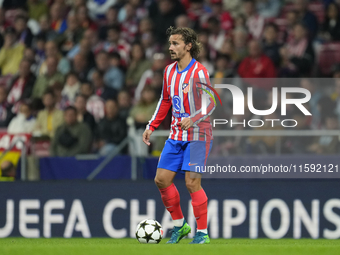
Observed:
{"x":148,"y":237}
{"x":137,"y":236}
{"x":143,"y":224}
{"x":157,"y":227}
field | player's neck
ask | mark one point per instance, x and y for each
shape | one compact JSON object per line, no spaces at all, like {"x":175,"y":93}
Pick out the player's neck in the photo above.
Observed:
{"x":184,"y":62}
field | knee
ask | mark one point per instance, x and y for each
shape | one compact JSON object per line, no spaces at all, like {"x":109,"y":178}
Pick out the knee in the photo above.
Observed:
{"x":192,"y":186}
{"x":161,"y":183}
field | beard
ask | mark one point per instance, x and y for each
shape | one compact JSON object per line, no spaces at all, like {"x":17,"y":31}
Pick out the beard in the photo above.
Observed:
{"x":177,"y":56}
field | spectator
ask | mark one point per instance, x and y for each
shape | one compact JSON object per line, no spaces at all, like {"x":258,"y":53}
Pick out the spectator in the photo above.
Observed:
{"x":228,"y":48}
{"x":124,"y":103}
{"x":292,"y":18}
{"x":149,"y":45}
{"x":255,"y":22}
{"x":30,"y":55}
{"x":268,"y":8}
{"x":129,"y":27}
{"x":233,"y":6}
{"x":46,"y":30}
{"x":48,"y":79}
{"x":5,"y":109}
{"x":195,"y":12}
{"x":140,"y":7}
{"x":216,"y":36}
{"x":325,"y":106}
{"x":331,"y":25}
{"x":297,"y":55}
{"x":58,"y":23}
{"x":49,"y":119}
{"x":115,"y":44}
{"x":223,"y":70}
{"x":37,"y":9}
{"x":137,"y":66}
{"x":163,"y":13}
{"x":95,"y":44}
{"x":335,"y":96}
{"x":11,"y":53}
{"x":224,"y":17}
{"x":240,"y":38}
{"x":111,"y":16}
{"x":266,"y":144}
{"x":257,"y":65}
{"x":21,"y":86}
{"x":24,"y":122}
{"x":71,"y":88}
{"x":98,"y":9}
{"x":72,"y":137}
{"x":82,"y":114}
{"x":307,"y":18}
{"x":67,"y":40}
{"x":316,"y":95}
{"x":116,"y":61}
{"x":271,"y":47}
{"x":95,"y":104}
{"x":100,"y":87}
{"x":299,"y":144}
{"x":51,"y":50}
{"x":83,"y":48}
{"x":24,"y":34}
{"x":145,"y":26}
{"x":113,"y":76}
{"x":182,"y":21}
{"x":158,"y":64}
{"x":205,"y":60}
{"x":111,"y":130}
{"x":80,"y":67}
{"x":240,"y":22}
{"x":142,"y":112}
{"x":60,"y":102}
{"x":83,"y":18}
{"x":327,"y":144}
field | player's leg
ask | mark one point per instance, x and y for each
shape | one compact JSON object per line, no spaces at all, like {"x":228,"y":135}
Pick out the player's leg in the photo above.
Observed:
{"x":169,"y":163}
{"x":199,"y":200}
{"x":193,"y":183}
{"x":169,"y":193}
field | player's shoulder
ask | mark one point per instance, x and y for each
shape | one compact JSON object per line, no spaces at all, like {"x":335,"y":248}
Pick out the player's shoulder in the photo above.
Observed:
{"x":170,"y":66}
{"x":200,"y":67}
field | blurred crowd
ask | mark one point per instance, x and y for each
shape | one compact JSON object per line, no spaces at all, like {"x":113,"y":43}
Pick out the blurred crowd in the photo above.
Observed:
{"x":73,"y":71}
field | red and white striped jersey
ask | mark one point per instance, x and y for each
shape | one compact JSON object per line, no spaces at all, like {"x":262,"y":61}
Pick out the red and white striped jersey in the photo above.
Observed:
{"x":180,"y":90}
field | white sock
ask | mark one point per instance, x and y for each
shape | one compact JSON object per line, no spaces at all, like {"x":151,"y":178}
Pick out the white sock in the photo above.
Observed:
{"x":178,"y":223}
{"x":205,"y":231}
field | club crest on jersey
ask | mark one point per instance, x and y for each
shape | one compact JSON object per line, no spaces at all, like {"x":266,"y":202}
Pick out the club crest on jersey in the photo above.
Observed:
{"x":185,"y":88}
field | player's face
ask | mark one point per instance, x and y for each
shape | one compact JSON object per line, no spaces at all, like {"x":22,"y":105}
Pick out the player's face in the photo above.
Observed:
{"x":177,"y":48}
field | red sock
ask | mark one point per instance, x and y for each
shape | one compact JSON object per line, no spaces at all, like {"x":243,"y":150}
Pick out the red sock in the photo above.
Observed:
{"x":170,"y":198}
{"x":200,"y":206}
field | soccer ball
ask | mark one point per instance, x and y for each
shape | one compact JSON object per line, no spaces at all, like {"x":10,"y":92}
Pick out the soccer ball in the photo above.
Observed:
{"x":149,"y":231}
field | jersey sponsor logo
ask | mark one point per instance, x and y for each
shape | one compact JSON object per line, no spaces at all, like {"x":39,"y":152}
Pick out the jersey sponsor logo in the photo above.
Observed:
{"x":185,"y":88}
{"x":176,"y":103}
{"x":180,"y":115}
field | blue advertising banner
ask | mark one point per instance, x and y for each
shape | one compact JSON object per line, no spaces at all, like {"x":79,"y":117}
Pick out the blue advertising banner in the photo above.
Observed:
{"x":237,"y":208}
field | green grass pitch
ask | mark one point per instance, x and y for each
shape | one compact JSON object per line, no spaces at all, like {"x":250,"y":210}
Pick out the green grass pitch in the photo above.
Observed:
{"x":101,"y":246}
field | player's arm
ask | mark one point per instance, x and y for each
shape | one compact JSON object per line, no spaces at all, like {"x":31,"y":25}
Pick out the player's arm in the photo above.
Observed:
{"x":161,"y":111}
{"x":201,"y":77}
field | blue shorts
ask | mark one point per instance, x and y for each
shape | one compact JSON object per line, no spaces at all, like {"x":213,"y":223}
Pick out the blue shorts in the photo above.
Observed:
{"x":176,"y":155}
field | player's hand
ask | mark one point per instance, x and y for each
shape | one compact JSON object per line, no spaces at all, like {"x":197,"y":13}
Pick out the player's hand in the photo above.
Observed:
{"x":146,"y":136}
{"x":186,"y":123}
